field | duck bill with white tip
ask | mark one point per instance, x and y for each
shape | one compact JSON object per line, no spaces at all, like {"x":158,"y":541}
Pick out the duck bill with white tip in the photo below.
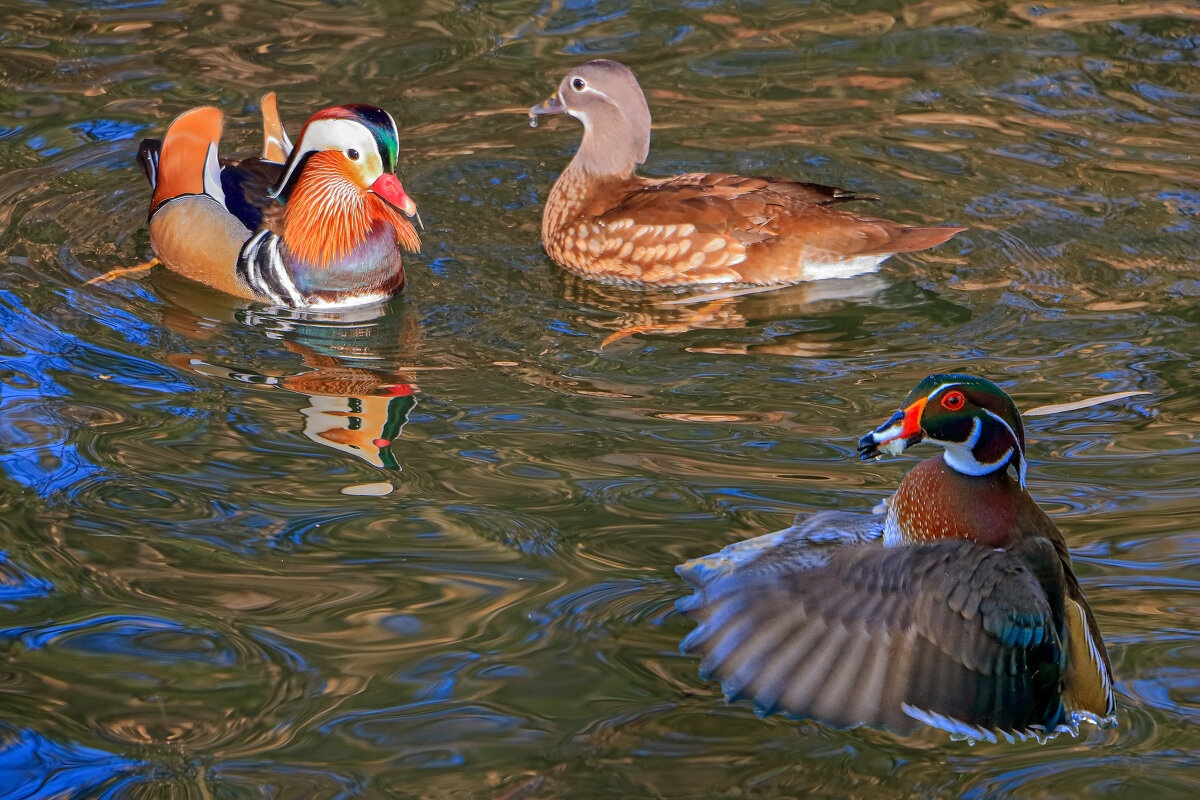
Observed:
{"x":902,"y":430}
{"x":551,"y":105}
{"x":389,"y":188}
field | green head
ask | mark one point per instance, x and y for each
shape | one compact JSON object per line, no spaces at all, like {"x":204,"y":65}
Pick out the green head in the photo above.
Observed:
{"x":972,"y":419}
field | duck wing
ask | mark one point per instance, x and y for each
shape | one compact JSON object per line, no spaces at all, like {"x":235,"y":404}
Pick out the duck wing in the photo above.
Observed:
{"x":952,"y":634}
{"x":714,"y":227}
{"x":247,"y":184}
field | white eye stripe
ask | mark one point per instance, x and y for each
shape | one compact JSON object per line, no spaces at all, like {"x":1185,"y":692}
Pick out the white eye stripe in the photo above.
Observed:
{"x":337,"y":134}
{"x":586,"y":88}
{"x":934,"y":393}
{"x":330,"y":134}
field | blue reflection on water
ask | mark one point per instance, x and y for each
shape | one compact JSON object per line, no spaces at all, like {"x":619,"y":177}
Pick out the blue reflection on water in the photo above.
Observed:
{"x":32,"y":766}
{"x":17,"y":584}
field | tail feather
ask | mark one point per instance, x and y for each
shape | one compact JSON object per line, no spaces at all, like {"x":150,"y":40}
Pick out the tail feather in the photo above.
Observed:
{"x":909,"y":240}
{"x":186,"y":162}
{"x":147,"y":159}
{"x":276,"y":145}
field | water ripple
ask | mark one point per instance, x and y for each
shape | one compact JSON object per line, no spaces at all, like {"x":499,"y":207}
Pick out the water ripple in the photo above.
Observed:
{"x":197,"y":608}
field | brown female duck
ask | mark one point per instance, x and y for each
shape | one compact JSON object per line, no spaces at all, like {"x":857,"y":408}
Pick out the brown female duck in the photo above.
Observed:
{"x":603,"y":221}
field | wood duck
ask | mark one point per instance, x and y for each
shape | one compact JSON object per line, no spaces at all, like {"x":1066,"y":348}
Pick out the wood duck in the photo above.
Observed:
{"x":605,"y":222}
{"x":314,"y":226}
{"x":957,"y":608}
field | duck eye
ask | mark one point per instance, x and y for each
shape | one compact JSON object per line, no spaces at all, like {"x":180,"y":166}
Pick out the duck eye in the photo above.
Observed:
{"x":953,"y":401}
{"x":578,"y":84}
{"x":352,"y":154}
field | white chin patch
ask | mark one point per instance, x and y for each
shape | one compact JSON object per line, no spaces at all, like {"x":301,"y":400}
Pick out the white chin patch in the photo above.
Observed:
{"x":893,"y":448}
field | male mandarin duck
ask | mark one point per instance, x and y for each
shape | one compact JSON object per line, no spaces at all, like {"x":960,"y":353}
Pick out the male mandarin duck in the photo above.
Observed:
{"x":958,"y":608}
{"x":314,"y":226}
{"x":605,"y":222}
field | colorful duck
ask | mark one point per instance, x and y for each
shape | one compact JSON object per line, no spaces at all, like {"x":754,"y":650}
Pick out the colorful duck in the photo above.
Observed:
{"x":605,"y":222}
{"x":314,"y":226}
{"x":957,"y":608}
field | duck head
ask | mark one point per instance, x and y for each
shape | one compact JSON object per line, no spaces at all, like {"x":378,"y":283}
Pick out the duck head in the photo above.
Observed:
{"x":339,"y":181}
{"x":972,"y":419}
{"x":605,"y":96}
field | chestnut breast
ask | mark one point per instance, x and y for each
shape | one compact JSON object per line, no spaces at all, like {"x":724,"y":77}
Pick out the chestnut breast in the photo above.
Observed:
{"x":937,"y":502}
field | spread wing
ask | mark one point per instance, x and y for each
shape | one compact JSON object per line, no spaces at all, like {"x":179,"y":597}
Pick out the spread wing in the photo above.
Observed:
{"x":953,"y":634}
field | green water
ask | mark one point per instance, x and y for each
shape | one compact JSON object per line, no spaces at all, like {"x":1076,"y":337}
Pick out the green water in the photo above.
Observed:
{"x":195,"y":607}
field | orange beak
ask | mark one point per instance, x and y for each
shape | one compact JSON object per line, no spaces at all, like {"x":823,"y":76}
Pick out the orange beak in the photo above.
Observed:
{"x":902,"y":430}
{"x":388,"y":187}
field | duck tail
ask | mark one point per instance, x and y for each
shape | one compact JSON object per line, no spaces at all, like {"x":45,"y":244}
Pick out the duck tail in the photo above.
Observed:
{"x":910,"y":240}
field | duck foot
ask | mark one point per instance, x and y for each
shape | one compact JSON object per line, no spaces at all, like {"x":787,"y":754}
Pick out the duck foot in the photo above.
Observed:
{"x":112,"y":274}
{"x":705,"y":314}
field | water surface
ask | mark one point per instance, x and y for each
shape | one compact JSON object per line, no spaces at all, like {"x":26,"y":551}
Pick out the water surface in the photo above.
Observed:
{"x":207,"y":591}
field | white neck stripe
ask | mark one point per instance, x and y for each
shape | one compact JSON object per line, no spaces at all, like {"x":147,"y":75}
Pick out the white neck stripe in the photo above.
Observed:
{"x":1016,"y":443}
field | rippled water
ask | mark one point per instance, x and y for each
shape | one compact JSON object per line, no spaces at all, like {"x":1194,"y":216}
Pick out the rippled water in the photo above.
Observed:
{"x":207,"y":591}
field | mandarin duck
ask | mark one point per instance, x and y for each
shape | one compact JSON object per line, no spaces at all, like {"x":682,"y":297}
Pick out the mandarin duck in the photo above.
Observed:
{"x":318,"y":225}
{"x":605,"y":222}
{"x":957,"y":607}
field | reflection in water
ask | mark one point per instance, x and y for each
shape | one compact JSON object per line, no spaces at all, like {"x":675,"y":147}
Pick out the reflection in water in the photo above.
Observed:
{"x":667,"y":313}
{"x":194,"y":607}
{"x":352,"y":408}
{"x":356,"y":411}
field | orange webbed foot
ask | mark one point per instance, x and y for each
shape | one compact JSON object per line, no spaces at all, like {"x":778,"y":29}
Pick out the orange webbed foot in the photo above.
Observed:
{"x":113,"y":274}
{"x":705,"y":314}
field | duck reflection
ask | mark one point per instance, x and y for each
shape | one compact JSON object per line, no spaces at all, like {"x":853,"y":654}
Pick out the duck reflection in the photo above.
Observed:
{"x":359,"y":412}
{"x":666,"y":313}
{"x":355,"y":409}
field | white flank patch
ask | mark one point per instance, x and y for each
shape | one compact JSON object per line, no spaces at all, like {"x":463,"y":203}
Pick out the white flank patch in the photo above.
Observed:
{"x":349,"y":302}
{"x":847,"y":268}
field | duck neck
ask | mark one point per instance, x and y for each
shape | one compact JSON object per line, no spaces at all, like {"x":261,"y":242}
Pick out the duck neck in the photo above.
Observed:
{"x":575,"y":194}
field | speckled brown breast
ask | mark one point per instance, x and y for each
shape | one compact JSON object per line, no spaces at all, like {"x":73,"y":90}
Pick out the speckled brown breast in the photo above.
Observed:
{"x":936,"y":502}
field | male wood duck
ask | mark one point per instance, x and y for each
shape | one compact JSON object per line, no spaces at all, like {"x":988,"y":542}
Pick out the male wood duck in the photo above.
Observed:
{"x":605,"y":222}
{"x":314,"y":226}
{"x":958,"y":608}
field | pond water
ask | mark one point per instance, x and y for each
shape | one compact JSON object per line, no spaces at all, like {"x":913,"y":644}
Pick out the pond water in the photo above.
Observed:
{"x":217,"y":583}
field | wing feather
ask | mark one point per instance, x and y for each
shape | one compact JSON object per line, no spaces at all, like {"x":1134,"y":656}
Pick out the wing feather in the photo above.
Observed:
{"x":953,"y":629}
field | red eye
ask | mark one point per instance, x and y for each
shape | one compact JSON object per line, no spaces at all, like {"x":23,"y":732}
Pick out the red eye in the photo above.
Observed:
{"x":953,"y":401}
